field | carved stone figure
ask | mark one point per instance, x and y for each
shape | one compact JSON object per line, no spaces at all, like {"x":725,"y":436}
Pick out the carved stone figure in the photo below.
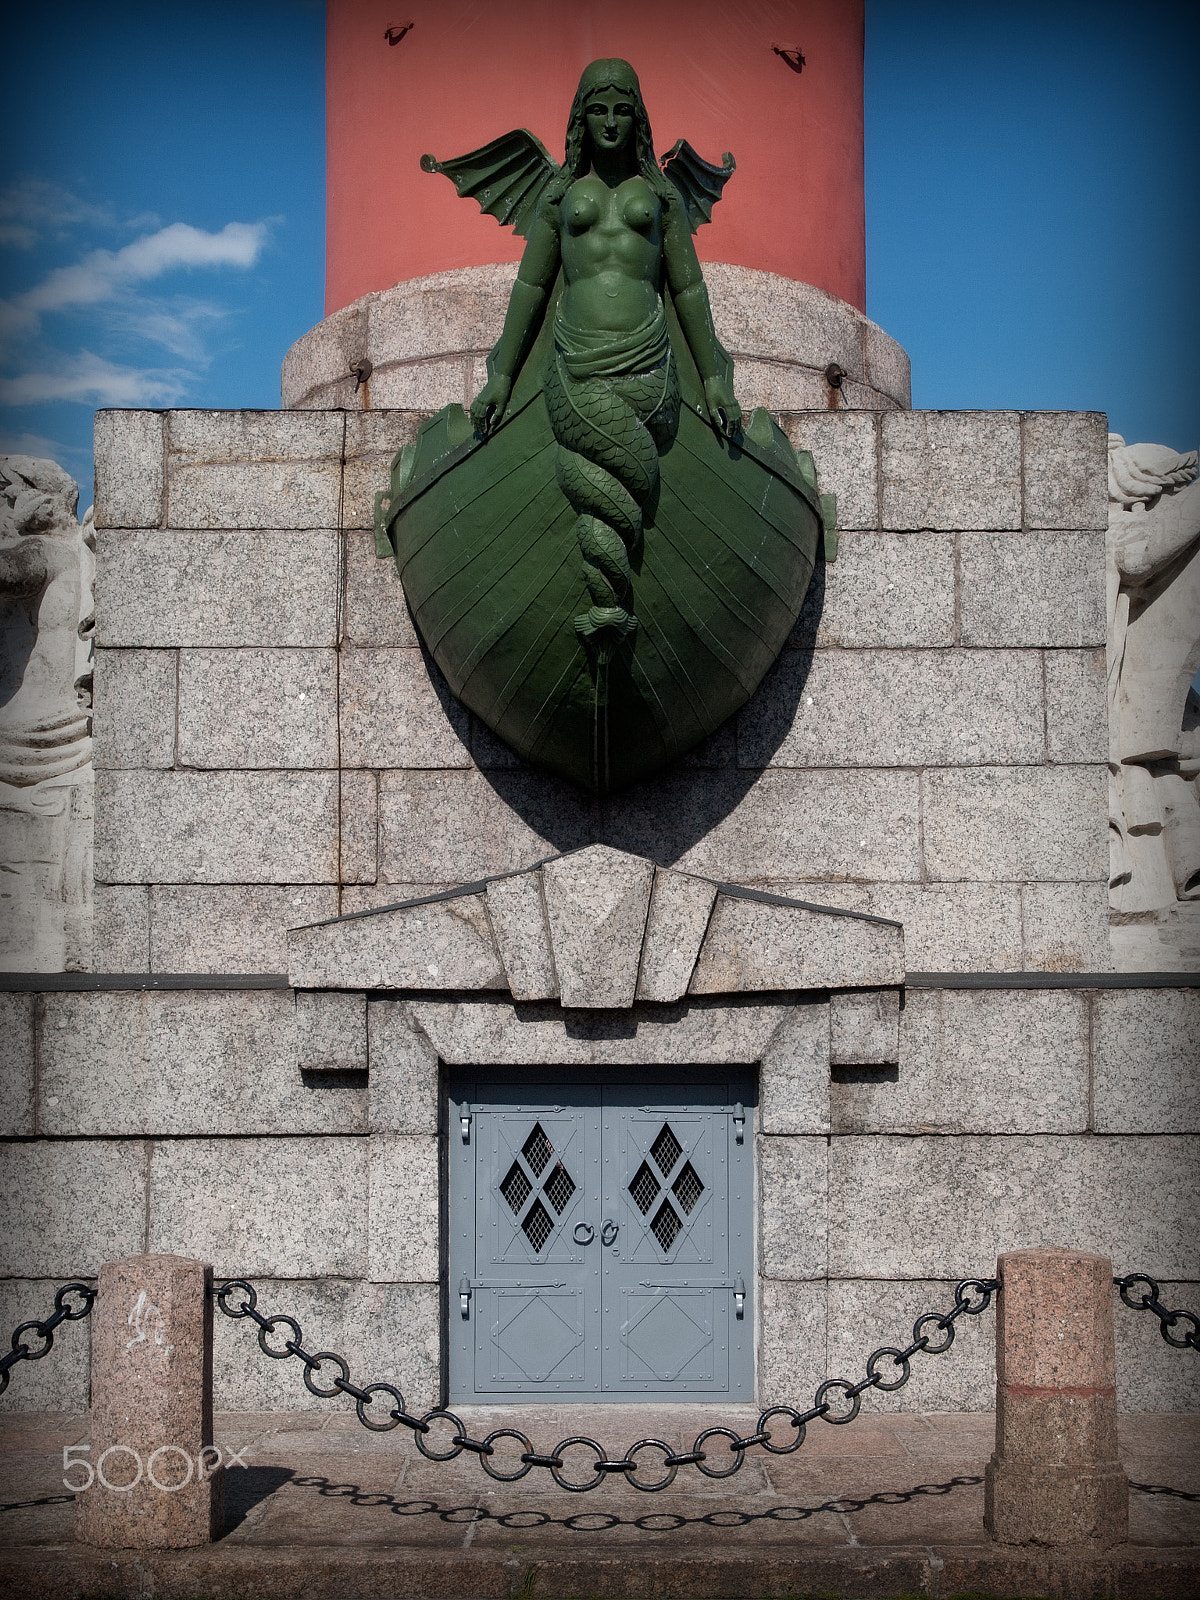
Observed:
{"x":608,"y":417}
{"x":46,"y":574}
{"x":1154,"y":713}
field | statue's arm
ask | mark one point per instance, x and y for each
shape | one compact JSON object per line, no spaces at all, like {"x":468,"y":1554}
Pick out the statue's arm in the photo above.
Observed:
{"x":690,"y":297}
{"x":24,"y":568}
{"x":526,"y":306}
{"x":1147,"y":541}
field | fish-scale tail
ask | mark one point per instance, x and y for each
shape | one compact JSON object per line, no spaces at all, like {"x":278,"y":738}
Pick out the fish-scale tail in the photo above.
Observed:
{"x":608,"y":470}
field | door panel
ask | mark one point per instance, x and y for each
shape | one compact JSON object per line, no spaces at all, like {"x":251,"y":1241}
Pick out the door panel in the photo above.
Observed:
{"x":522,"y":1185}
{"x":536,"y":1183}
{"x":668,"y":1337}
{"x":534,"y":1336}
{"x":665,"y":1199}
{"x":667,"y":1287}
{"x":601,"y":1248}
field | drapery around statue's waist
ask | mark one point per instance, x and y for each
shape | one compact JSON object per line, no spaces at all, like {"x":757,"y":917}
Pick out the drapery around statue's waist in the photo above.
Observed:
{"x":601,"y":353}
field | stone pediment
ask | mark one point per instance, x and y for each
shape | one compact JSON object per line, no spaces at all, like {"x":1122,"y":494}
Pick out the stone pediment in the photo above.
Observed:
{"x":599,"y":929}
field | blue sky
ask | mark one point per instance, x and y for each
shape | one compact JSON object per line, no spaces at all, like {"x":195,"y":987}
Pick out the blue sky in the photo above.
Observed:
{"x":162,"y":212}
{"x":1033,"y":220}
{"x":1033,"y":205}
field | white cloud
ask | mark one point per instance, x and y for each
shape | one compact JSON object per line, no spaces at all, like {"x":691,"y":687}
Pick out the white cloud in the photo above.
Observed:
{"x":30,"y":206}
{"x":104,"y":274}
{"x":89,"y":378}
{"x":120,"y":293}
{"x":175,"y":327}
{"x":237,"y":245}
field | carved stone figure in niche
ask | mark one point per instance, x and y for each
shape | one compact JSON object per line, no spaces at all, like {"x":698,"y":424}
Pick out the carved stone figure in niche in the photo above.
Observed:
{"x":46,"y":575}
{"x":1153,"y":656}
{"x":600,"y":558}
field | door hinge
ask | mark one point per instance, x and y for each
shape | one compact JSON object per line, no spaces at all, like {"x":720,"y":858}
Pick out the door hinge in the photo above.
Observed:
{"x":738,"y":1286}
{"x":739,"y":1123}
{"x":689,"y":1283}
{"x":464,"y":1122}
{"x":464,"y":1297}
{"x":467,"y":1286}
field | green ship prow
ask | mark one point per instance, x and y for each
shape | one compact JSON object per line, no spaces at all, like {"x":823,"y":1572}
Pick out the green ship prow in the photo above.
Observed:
{"x":484,"y":541}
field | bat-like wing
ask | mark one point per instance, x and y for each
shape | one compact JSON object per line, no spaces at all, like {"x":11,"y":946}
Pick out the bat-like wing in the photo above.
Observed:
{"x":508,"y":177}
{"x":698,"y":181}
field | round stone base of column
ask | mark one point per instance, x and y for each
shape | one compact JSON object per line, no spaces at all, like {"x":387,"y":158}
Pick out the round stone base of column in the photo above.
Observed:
{"x":426,"y":342}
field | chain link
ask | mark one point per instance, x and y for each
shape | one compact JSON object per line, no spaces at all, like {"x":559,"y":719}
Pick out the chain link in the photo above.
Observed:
{"x":45,"y":1330}
{"x":717,"y":1452}
{"x":1139,"y":1292}
{"x":1148,"y":1300}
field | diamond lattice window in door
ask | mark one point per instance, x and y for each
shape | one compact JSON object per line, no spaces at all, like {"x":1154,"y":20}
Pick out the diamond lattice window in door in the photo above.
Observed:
{"x":666,"y":1150}
{"x":550,"y":1198}
{"x":687,"y":1189}
{"x":516,"y":1189}
{"x":666,"y":1226}
{"x":537,"y":1225}
{"x":559,"y":1187}
{"x":683,"y":1197}
{"x":537,"y":1149}
{"x":644,"y":1188}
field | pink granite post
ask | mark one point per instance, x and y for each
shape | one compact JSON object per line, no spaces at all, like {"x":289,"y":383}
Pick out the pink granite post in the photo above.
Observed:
{"x":1055,"y":1478}
{"x":156,"y":1482}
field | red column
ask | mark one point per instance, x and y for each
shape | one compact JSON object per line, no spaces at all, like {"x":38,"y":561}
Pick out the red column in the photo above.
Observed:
{"x":467,"y":71}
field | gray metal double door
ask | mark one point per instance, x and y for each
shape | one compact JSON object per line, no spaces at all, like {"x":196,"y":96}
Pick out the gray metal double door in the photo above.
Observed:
{"x":600,"y":1241}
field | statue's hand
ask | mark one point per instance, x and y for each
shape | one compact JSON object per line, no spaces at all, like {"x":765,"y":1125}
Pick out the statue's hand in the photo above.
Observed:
{"x":488,"y":405}
{"x":724,"y":410}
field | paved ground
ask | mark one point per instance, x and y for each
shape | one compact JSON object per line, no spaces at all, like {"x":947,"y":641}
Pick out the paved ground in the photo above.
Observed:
{"x":886,"y":1506}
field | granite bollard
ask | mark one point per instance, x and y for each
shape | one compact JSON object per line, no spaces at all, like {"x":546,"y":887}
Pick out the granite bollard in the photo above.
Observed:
{"x":1055,"y":1478}
{"x":155,"y":1477}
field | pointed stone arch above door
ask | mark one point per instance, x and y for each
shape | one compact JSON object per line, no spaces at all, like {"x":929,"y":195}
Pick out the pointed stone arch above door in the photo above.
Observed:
{"x":599,"y":929}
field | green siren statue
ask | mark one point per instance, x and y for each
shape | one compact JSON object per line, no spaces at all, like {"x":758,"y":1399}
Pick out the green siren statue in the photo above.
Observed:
{"x":600,"y":558}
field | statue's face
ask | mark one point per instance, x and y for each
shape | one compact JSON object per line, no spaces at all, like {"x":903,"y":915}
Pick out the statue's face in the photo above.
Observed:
{"x":610,"y":116}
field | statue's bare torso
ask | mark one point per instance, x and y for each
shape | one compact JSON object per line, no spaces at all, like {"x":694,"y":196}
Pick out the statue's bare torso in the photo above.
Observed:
{"x":611,"y":241}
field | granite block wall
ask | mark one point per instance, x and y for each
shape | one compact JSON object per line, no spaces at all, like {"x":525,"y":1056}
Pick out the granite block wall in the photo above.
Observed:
{"x":273,"y":746}
{"x":189,"y":1121}
{"x":273,"y":749}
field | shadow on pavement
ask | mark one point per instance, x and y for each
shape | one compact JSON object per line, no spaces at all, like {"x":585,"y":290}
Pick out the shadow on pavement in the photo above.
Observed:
{"x":247,"y":1487}
{"x":602,"y":1521}
{"x":1162,"y":1488}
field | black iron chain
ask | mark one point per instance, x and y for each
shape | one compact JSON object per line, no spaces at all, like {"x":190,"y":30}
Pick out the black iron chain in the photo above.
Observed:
{"x":45,"y":1330}
{"x":836,"y":1401}
{"x":1147,"y":1300}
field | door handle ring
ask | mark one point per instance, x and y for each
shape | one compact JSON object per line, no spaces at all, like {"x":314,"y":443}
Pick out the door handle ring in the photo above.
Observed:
{"x":586,"y":1236}
{"x":609,"y":1231}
